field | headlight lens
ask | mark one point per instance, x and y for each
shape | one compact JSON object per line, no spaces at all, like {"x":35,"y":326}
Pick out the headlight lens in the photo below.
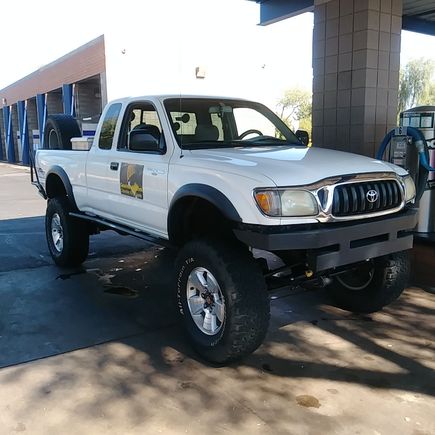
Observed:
{"x":286,"y":202}
{"x":409,"y":188}
{"x":298,"y":203}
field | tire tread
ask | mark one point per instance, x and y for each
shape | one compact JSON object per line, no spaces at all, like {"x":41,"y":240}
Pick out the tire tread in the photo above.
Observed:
{"x":249,"y":299}
{"x":391,"y":278}
{"x":76,"y":241}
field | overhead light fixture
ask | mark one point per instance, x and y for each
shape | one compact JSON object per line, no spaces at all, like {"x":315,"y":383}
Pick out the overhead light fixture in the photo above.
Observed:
{"x":200,"y":72}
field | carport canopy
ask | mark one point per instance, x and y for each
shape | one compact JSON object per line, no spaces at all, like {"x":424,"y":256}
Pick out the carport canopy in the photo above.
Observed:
{"x":417,"y":16}
{"x":356,"y":63}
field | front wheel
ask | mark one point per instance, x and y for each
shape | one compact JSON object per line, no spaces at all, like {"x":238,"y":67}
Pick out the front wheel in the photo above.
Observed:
{"x":222,"y":298}
{"x":371,"y":286}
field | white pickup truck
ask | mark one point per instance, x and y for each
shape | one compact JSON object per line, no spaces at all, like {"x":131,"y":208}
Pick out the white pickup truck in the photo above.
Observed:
{"x":227,"y":183}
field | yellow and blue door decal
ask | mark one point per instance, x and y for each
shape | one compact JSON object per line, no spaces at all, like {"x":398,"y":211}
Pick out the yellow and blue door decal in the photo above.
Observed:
{"x":131,"y":180}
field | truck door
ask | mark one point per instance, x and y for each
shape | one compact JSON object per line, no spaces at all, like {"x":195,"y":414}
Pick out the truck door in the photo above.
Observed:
{"x":97,"y":164}
{"x":138,"y":179}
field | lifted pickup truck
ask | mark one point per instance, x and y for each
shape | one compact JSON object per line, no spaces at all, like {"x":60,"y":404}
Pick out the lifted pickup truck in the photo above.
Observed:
{"x":223,"y":179}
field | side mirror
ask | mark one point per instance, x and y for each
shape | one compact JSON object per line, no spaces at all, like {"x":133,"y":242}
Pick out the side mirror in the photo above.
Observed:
{"x":143,"y":141}
{"x":303,"y":136}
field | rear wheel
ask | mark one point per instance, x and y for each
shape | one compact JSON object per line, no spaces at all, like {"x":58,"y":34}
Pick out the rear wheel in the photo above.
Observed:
{"x":372,"y":285}
{"x":222,"y":298}
{"x":67,"y":237}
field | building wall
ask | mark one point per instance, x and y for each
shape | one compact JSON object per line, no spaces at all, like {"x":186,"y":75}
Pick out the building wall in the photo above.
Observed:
{"x":54,"y":102}
{"x":88,"y":100}
{"x":86,"y":61}
{"x":161,"y":57}
{"x":84,"y":66}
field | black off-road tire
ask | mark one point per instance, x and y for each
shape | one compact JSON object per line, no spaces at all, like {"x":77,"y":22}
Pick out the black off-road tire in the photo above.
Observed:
{"x":391,"y":275}
{"x":75,"y":234}
{"x":59,"y":129}
{"x":247,"y":305}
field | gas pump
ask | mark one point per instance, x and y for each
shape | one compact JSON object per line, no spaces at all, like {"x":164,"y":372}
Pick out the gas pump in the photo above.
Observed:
{"x":412,"y":146}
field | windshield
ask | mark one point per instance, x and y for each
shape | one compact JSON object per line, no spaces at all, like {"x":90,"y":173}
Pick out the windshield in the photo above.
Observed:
{"x":216,"y":123}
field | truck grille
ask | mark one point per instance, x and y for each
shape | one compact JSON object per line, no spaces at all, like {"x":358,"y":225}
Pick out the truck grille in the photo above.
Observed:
{"x":367,"y":197}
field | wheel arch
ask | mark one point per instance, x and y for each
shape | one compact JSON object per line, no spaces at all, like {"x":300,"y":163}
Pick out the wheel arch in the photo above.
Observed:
{"x":57,"y":183}
{"x":191,"y":198}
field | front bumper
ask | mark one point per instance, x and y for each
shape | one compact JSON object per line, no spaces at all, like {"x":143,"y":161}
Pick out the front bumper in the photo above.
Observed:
{"x":333,"y":245}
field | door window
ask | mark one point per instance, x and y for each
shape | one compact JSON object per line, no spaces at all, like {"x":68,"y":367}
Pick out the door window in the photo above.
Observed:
{"x":141,"y":116}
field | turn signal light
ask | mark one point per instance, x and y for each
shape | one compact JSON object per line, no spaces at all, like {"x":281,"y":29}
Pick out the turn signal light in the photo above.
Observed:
{"x":269,"y":202}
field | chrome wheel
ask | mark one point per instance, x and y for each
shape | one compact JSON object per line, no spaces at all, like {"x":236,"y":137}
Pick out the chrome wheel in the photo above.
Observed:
{"x":57,"y":232}
{"x":205,"y":301}
{"x":357,"y":279}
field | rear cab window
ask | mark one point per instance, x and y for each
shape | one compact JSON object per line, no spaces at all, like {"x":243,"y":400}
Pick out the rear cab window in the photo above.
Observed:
{"x":184,"y":123}
{"x":108,"y":128}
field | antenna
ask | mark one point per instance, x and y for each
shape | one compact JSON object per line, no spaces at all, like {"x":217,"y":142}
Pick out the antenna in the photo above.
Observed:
{"x":181,"y":136}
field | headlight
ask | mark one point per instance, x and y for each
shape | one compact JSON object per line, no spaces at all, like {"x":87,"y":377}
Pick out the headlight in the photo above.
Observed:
{"x":409,"y":188}
{"x":286,"y":202}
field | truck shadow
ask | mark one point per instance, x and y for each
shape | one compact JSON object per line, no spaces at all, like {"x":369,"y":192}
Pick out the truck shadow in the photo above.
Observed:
{"x":144,"y":359}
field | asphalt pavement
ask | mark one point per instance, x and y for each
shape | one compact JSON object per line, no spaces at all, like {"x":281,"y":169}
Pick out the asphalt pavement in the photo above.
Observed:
{"x":99,"y":350}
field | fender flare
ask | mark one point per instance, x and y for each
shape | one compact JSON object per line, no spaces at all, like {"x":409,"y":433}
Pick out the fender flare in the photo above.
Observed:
{"x":210,"y":194}
{"x":60,"y":172}
{"x":207,"y":193}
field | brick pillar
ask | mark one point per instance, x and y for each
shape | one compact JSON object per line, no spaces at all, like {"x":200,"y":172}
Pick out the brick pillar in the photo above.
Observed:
{"x":356,"y":61}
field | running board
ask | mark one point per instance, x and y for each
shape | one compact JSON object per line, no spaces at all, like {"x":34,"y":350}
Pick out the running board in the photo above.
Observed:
{"x":123,"y":229}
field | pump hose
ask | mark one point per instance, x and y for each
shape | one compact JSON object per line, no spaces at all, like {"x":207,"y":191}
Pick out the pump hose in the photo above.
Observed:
{"x":423,"y":152}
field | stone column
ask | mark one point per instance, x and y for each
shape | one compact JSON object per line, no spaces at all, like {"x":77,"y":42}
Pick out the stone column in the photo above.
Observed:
{"x":356,"y":61}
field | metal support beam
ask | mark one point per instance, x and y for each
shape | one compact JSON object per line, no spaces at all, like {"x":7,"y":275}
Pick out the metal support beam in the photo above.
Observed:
{"x":272,"y":11}
{"x":41,"y":107}
{"x":1,"y":145}
{"x":24,"y":132}
{"x":418,"y":25}
{"x":68,"y":99}
{"x":7,"y":118}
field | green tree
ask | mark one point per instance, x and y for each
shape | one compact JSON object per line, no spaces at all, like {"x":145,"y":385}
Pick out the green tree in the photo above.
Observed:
{"x":416,"y":86}
{"x":295,"y":107}
{"x":429,"y":98}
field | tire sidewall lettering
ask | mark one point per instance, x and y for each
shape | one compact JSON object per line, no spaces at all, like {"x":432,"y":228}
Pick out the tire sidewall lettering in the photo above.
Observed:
{"x":188,"y":264}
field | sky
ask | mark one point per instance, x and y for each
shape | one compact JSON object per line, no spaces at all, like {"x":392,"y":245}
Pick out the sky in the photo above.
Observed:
{"x":44,"y":30}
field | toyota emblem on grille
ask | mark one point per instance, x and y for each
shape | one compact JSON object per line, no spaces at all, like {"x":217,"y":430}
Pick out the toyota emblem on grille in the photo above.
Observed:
{"x":372,"y":196}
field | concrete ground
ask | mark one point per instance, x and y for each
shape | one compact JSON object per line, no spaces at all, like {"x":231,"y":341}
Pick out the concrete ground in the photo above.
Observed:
{"x":98,"y":350}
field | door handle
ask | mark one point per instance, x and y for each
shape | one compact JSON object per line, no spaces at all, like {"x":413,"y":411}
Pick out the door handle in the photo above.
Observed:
{"x":114,"y":166}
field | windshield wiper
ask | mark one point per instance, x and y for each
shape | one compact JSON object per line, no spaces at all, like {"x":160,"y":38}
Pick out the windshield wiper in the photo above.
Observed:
{"x":260,"y":140}
{"x":208,"y":144}
{"x":237,"y":143}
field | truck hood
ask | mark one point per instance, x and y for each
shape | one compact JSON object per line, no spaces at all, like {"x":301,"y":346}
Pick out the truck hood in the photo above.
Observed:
{"x":287,"y":166}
